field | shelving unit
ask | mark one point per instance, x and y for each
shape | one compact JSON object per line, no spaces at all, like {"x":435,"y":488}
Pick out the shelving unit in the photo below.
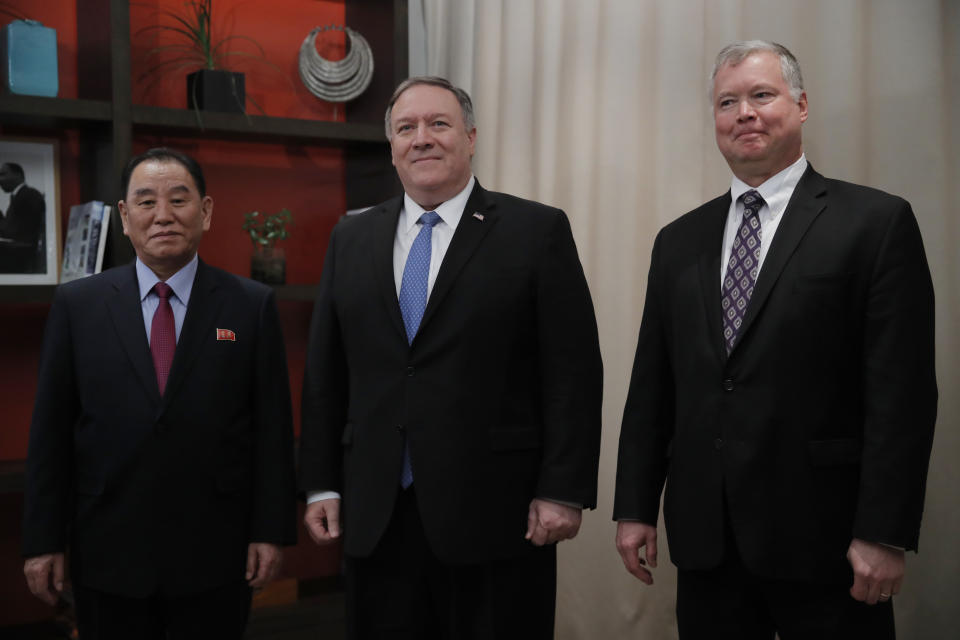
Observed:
{"x":107,"y":120}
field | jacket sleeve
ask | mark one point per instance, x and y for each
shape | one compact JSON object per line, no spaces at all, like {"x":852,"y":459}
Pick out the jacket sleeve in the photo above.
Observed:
{"x":324,"y":407}
{"x":648,"y":418}
{"x":48,"y":496}
{"x":571,"y":372}
{"x":274,"y":495}
{"x":900,"y":390}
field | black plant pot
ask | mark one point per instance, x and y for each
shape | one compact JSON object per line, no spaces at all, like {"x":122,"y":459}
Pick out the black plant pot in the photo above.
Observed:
{"x":216,"y":90}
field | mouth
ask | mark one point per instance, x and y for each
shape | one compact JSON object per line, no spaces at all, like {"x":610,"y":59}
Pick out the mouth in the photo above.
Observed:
{"x":419,"y":160}
{"x":749,"y":135}
{"x":164,"y":235}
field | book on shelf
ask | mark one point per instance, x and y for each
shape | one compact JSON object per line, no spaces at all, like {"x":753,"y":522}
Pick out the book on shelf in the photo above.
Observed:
{"x":86,"y":240}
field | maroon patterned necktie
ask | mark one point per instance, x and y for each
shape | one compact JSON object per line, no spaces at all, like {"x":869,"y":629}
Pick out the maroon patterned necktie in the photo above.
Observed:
{"x":163,"y":335}
{"x":742,"y":268}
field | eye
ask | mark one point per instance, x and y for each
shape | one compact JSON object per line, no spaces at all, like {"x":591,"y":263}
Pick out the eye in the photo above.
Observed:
{"x":725,"y":102}
{"x":763,"y":95}
{"x":440,"y":123}
{"x":404,"y":127}
{"x":145,"y":203}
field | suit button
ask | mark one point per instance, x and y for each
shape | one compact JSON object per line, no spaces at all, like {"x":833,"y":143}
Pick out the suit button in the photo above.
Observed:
{"x":728,"y":384}
{"x":718,"y":444}
{"x":401,"y":428}
{"x":410,"y":372}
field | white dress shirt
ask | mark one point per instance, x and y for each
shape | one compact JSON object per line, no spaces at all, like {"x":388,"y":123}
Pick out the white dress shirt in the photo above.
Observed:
{"x":181,"y":283}
{"x":776,"y":193}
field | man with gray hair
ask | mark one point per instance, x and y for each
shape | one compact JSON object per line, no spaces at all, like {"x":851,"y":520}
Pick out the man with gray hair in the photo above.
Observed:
{"x":451,"y":399}
{"x":783,"y":387}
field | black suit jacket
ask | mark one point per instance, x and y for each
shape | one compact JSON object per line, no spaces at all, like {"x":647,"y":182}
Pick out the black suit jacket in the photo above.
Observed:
{"x":817,"y":428}
{"x":160,"y":493}
{"x":499,"y":393}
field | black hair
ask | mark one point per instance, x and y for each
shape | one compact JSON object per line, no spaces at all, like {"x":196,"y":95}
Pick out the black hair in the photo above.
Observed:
{"x":164,"y":154}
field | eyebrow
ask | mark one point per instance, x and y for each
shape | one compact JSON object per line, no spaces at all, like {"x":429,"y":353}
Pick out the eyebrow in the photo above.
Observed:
{"x":147,"y":191}
{"x":429,"y":116}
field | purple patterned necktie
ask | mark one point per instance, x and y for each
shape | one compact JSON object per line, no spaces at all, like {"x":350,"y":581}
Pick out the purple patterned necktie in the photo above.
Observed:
{"x":742,"y":268}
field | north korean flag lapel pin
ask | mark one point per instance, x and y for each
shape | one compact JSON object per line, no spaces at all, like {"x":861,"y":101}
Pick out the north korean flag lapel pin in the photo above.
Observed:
{"x":226,"y":334}
{"x":478,"y":216}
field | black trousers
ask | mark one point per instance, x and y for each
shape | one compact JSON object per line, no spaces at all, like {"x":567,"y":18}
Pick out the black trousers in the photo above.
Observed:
{"x":730,"y":602}
{"x":220,"y":613}
{"x":402,"y":591}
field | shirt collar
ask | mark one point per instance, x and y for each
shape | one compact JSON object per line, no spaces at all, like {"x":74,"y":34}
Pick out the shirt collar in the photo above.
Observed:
{"x":450,"y":211}
{"x":181,"y":282}
{"x":777,"y":189}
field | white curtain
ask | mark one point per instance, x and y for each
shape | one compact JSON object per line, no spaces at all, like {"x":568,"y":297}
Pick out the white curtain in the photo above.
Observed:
{"x":600,"y":108}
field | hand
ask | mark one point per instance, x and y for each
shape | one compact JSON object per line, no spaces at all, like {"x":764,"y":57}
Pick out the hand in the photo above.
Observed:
{"x":877,"y":571}
{"x":263,"y":563}
{"x":43,"y":570}
{"x":630,"y":537}
{"x":323,"y":520}
{"x":549,"y":522}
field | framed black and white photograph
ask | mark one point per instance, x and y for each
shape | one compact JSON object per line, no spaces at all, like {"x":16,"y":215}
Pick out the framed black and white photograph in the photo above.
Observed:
{"x":29,"y":212}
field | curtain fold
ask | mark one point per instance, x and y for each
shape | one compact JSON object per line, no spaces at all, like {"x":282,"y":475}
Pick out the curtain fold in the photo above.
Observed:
{"x":600,"y":108}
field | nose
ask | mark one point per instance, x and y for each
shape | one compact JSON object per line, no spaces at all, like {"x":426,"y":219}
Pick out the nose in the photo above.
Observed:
{"x":745,"y":111}
{"x":163,"y":213}
{"x":423,"y":139}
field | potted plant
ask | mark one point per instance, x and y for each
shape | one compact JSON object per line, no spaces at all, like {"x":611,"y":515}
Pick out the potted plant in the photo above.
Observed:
{"x":210,"y":86}
{"x":268,"y":263}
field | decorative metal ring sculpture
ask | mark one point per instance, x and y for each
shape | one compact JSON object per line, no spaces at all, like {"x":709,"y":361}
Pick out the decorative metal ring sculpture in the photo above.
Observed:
{"x":341,"y":80}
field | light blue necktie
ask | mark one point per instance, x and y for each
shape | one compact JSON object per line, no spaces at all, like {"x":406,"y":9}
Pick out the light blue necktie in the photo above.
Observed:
{"x":413,"y":301}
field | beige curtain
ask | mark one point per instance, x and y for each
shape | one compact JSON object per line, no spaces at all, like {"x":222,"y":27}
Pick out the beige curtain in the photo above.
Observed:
{"x":600,"y":108}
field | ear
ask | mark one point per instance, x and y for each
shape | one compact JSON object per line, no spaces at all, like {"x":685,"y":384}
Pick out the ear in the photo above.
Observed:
{"x":122,"y":207}
{"x":802,"y":103}
{"x":472,"y":137}
{"x":206,"y":210}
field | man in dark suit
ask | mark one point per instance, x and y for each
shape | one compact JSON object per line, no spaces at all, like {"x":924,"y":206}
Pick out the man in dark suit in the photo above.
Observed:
{"x":161,"y":448}
{"x":22,"y":224}
{"x":452,"y":393}
{"x":783,"y":386}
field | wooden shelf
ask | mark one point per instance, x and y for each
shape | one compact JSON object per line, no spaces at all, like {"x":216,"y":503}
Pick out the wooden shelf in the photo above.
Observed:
{"x":35,"y":111}
{"x":245,"y":126}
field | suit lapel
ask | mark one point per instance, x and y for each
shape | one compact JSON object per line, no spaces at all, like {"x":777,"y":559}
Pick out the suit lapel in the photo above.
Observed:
{"x":470,"y":232}
{"x":384,"y":235}
{"x":805,"y":205}
{"x":206,"y":299}
{"x":716,"y":218}
{"x":127,"y":314}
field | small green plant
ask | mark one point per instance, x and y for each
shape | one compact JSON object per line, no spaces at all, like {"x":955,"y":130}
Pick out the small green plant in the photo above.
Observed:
{"x":266,"y":229}
{"x":196,"y":47}
{"x":193,"y":46}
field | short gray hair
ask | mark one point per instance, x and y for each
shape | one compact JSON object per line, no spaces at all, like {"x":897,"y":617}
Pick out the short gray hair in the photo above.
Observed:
{"x":466,"y":105}
{"x":734,"y":54}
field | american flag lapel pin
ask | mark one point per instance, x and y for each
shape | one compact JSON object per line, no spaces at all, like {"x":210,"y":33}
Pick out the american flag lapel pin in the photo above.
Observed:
{"x":226,"y":334}
{"x":478,"y":216}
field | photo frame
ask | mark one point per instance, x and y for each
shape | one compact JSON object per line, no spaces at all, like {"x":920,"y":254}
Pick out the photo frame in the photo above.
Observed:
{"x":30,"y":206}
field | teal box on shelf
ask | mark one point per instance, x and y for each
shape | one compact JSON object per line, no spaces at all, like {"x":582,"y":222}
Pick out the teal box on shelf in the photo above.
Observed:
{"x":29,"y":56}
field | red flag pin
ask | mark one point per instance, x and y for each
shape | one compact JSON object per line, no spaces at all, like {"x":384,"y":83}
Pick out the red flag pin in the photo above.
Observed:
{"x":226,"y":334}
